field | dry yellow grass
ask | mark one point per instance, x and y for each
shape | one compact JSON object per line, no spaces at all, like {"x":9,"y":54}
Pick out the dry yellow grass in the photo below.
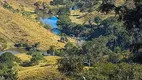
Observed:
{"x":23,"y":57}
{"x":18,"y":28}
{"x":28,"y":4}
{"x":87,"y":16}
{"x":119,"y":2}
{"x":38,"y":72}
{"x":74,"y":18}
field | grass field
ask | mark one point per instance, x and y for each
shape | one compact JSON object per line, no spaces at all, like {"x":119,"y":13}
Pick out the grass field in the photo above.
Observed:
{"x":17,"y":28}
{"x":28,"y":4}
{"x":87,"y":16}
{"x":20,"y":29}
{"x":44,"y":71}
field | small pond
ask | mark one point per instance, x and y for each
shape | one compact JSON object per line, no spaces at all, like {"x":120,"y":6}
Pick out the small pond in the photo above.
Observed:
{"x":52,"y":22}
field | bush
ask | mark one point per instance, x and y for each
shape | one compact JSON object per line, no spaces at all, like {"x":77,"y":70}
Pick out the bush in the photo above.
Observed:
{"x":7,"y":71}
{"x":3,"y":44}
{"x":36,"y":58}
{"x":48,"y":27}
{"x":110,"y":71}
{"x":8,"y":6}
{"x":26,"y":13}
{"x":97,"y":20}
{"x":9,"y":57}
{"x":71,"y":65}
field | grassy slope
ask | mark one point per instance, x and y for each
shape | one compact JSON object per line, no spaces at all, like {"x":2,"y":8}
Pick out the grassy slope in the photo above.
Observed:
{"x":39,"y":72}
{"x":92,"y":14}
{"x":14,"y":27}
{"x":87,"y":16}
{"x":28,"y":4}
{"x":18,"y":28}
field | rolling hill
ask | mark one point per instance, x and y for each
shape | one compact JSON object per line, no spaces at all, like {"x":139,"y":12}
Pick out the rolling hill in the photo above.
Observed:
{"x":16,"y":28}
{"x":43,"y":71}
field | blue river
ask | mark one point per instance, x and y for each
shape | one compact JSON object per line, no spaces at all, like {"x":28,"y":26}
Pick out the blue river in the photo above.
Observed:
{"x":52,"y":22}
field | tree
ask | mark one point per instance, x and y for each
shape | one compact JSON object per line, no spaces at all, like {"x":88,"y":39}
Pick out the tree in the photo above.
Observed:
{"x":9,"y":57}
{"x":109,"y":71}
{"x":115,"y":31}
{"x":36,"y":57}
{"x":107,"y":5}
{"x":57,"y":2}
{"x":63,"y":39}
{"x":69,"y":45}
{"x":70,"y":65}
{"x":100,"y":71}
{"x":7,"y":5}
{"x":132,"y":21}
{"x":7,"y":64}
{"x":97,"y":20}
{"x":52,"y":50}
{"x":94,"y":50}
{"x":71,"y":49}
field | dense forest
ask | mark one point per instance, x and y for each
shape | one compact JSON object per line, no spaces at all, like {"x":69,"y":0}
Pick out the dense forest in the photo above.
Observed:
{"x":107,"y":48}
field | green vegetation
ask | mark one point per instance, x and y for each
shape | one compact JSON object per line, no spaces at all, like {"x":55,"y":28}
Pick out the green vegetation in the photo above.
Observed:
{"x":70,"y":65}
{"x":36,"y":57}
{"x":27,"y":47}
{"x":109,"y":71}
{"x":7,"y":63}
{"x":6,"y":5}
{"x":48,"y":27}
{"x":108,"y":45}
{"x":3,"y":44}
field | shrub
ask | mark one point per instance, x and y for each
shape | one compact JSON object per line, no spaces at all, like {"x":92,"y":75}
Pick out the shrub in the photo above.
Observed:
{"x":97,"y":20}
{"x":70,"y":65}
{"x":8,"y":6}
{"x":7,"y":71}
{"x":36,"y":58}
{"x":48,"y":27}
{"x":3,"y":44}
{"x":9,"y":57}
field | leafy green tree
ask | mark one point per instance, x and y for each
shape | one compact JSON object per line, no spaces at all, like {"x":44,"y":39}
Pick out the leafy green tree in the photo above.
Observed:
{"x":7,"y":70}
{"x":115,"y":31}
{"x":8,"y":57}
{"x":52,"y":50}
{"x":115,"y":58}
{"x":96,"y":49}
{"x":107,"y":5}
{"x":71,"y":49}
{"x":132,"y":21}
{"x":57,"y":2}
{"x":109,"y":71}
{"x":63,"y":39}
{"x":97,"y":20}
{"x":36,"y":58}
{"x":100,"y":71}
{"x":7,"y":5}
{"x":70,"y":65}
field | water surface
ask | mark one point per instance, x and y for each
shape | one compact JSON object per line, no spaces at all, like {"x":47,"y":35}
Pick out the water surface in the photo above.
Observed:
{"x":52,"y":22}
